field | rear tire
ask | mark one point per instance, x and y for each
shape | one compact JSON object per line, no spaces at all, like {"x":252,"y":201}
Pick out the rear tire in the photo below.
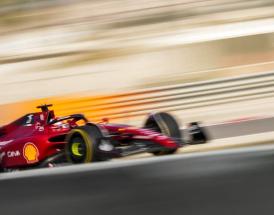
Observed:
{"x":166,"y":124}
{"x":82,"y":144}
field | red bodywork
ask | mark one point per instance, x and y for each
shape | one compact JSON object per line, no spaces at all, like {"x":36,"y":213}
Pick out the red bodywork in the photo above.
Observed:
{"x":31,"y":131}
{"x":32,"y":138}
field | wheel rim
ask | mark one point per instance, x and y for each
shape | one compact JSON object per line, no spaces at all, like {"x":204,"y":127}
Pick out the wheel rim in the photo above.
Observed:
{"x":77,"y":149}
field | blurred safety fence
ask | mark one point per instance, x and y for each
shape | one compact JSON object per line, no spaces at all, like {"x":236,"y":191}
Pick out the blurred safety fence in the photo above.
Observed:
{"x":124,"y":60}
{"x":73,"y":26}
{"x":110,"y":72}
{"x":132,"y":105}
{"x":173,"y":98}
{"x":111,"y":14}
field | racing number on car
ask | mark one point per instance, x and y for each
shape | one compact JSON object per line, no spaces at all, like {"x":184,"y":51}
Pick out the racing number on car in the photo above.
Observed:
{"x":30,"y":152}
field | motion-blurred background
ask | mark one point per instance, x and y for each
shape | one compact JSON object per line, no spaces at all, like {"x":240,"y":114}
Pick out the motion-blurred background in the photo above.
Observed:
{"x":203,"y":60}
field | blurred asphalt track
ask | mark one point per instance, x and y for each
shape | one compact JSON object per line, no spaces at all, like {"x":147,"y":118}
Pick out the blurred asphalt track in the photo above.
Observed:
{"x":237,"y":181}
{"x":231,"y":181}
{"x":240,"y":128}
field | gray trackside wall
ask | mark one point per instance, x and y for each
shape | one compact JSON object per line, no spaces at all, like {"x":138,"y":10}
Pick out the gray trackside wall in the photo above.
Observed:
{"x":226,"y":184}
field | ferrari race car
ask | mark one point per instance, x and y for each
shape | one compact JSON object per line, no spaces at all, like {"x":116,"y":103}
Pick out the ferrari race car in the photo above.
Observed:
{"x":43,"y":140}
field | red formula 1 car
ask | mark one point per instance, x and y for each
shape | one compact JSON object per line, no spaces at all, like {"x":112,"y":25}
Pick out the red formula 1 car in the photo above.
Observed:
{"x":41,"y":139}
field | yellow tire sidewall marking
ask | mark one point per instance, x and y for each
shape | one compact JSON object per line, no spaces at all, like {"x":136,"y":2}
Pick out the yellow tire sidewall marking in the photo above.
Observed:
{"x":75,"y":149}
{"x":88,"y":143}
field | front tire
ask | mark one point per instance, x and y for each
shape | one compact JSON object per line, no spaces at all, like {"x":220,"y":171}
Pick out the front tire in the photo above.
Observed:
{"x":166,"y":124}
{"x":82,"y":144}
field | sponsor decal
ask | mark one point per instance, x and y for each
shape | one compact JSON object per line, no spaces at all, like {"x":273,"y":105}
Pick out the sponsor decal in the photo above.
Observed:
{"x":39,"y":127}
{"x":12,"y":154}
{"x":30,"y":152}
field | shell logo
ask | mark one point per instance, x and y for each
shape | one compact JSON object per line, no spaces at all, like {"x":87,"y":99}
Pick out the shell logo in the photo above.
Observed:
{"x":30,"y":152}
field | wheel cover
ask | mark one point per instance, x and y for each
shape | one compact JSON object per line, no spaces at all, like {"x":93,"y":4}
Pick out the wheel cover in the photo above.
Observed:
{"x":75,"y":149}
{"x":79,"y":147}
